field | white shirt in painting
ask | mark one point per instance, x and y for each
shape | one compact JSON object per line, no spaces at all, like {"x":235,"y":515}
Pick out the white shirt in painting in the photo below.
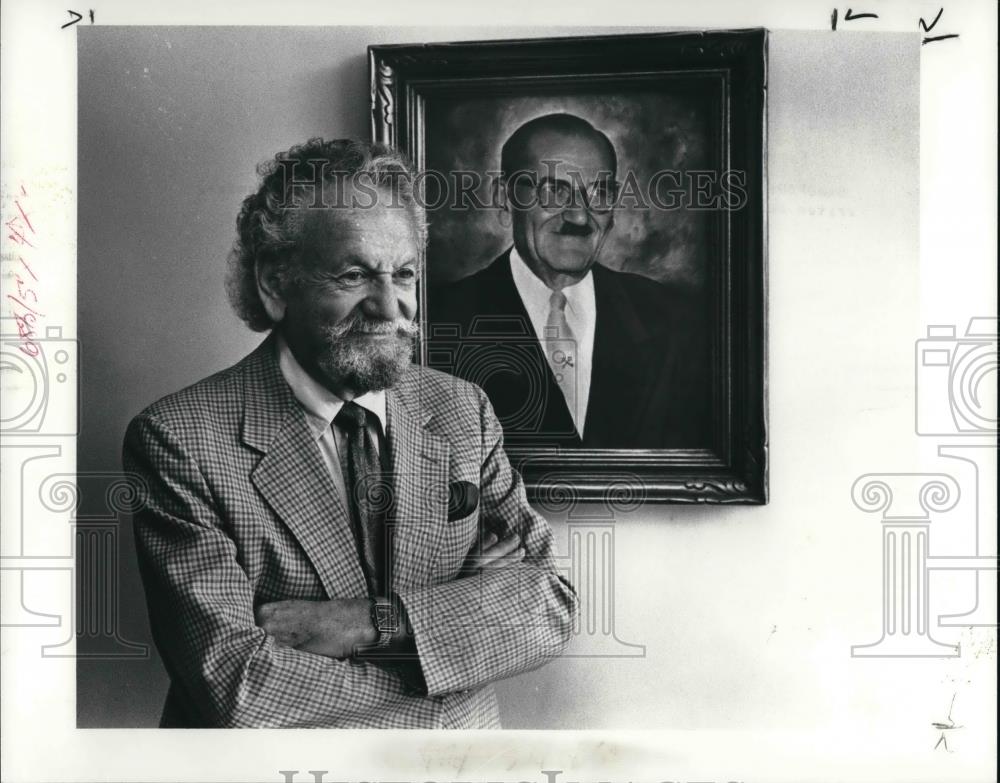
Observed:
{"x":581,"y":316}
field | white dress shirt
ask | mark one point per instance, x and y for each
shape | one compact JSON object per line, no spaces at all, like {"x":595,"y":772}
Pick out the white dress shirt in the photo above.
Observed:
{"x":321,"y":406}
{"x":581,"y":315}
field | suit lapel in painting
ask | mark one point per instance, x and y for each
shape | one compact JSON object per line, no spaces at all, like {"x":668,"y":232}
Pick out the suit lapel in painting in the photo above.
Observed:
{"x":622,"y":365}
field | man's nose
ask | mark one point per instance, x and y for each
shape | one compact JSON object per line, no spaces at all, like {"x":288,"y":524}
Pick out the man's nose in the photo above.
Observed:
{"x":382,"y":301}
{"x":576,"y":214}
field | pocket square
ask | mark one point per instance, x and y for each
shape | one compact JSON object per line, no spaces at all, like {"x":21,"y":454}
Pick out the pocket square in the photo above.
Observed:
{"x":463,"y":497}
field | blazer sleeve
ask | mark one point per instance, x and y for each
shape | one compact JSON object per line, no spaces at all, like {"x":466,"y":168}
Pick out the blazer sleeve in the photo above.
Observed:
{"x":478,"y":629}
{"x":202,"y":612}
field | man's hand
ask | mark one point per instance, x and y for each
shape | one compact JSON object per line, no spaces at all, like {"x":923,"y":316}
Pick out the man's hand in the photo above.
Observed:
{"x":493,"y":553}
{"x":331,"y":628}
{"x":337,"y":628}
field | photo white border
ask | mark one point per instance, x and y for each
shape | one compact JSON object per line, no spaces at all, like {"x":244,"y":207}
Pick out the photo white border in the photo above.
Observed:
{"x":958,"y":276}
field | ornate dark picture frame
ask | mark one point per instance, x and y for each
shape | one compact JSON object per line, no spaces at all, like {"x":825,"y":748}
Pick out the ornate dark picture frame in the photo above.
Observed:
{"x":681,"y":99}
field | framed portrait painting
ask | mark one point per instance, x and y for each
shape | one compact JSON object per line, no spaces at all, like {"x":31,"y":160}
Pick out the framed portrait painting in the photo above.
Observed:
{"x":596,"y":251}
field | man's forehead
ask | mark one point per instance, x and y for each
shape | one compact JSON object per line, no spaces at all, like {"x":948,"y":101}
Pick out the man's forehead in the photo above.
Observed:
{"x":344,"y":220}
{"x":375,"y":236}
{"x":564,"y":150}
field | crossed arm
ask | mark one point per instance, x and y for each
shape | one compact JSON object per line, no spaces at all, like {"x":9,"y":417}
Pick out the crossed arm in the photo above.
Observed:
{"x":342,"y":627}
{"x":289,"y":664}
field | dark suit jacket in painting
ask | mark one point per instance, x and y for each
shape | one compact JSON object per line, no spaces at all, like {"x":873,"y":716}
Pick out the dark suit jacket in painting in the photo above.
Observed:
{"x":649,"y":380}
{"x":240,"y":510}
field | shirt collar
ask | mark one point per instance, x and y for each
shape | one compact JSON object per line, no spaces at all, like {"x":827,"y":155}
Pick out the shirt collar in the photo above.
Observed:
{"x":319,"y":403}
{"x":530,"y":286}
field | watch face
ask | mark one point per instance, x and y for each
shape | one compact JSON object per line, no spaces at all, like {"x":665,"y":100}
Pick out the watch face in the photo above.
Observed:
{"x":385,"y":617}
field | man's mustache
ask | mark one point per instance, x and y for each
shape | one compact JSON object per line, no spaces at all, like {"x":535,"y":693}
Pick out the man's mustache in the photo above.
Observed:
{"x":575,"y":229}
{"x":361,"y":325}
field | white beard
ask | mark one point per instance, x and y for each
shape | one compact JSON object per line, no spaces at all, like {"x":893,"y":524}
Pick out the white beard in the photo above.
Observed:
{"x":362,"y":364}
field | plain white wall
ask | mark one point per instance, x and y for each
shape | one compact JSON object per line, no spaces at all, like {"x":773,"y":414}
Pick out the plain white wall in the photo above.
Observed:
{"x":747,"y":614}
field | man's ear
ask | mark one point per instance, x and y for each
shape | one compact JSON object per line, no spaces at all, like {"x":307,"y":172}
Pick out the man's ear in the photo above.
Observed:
{"x":500,"y":199}
{"x":269,"y":289}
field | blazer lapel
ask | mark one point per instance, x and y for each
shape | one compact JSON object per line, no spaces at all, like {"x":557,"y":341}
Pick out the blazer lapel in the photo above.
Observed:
{"x":294,"y":479}
{"x":556,"y":425}
{"x":420,"y":488}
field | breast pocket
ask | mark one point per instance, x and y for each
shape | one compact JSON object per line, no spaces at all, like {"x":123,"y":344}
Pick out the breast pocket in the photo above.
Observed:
{"x":460,"y":528}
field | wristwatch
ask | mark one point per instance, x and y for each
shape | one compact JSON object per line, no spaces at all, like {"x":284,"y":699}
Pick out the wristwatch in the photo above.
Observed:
{"x":386,"y":621}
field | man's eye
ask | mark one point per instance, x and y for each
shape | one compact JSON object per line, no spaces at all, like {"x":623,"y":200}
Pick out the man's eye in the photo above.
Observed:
{"x":406,"y":274}
{"x":554,"y":192}
{"x":352,"y":277}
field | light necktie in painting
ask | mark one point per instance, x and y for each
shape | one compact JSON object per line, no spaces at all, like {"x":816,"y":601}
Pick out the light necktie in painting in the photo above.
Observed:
{"x":560,"y":351}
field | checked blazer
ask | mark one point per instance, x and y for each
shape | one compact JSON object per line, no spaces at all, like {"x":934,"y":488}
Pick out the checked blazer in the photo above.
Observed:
{"x":240,"y":510}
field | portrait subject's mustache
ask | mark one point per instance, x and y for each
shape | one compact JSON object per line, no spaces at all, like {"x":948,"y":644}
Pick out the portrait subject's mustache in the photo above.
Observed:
{"x":575,"y":230}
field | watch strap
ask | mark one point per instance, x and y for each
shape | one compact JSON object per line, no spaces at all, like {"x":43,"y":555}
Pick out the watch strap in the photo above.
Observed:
{"x":385,"y":619}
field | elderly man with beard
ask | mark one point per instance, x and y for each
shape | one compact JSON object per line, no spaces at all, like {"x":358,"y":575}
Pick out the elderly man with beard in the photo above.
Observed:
{"x":332,"y":536}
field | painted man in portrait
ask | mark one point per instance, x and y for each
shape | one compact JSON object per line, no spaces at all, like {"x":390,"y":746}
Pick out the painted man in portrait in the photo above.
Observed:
{"x":571,"y":352}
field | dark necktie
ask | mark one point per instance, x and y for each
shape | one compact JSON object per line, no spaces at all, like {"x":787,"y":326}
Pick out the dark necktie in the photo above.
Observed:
{"x":364,"y":477}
